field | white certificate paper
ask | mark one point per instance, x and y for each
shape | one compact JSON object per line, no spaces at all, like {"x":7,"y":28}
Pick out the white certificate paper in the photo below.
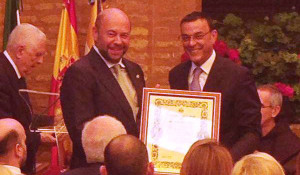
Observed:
{"x":173,"y":120}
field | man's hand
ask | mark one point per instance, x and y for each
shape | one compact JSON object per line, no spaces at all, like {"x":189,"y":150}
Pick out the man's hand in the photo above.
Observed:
{"x":47,"y":138}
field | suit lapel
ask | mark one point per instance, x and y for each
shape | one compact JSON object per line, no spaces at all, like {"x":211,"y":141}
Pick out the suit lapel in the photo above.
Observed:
{"x":214,"y":78}
{"x":16,"y":84}
{"x":182,"y":75}
{"x":106,"y":78}
{"x":135,"y":78}
{"x":12,"y":76}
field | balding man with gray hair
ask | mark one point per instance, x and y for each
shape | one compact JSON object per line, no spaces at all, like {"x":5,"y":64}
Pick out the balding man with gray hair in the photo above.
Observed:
{"x":12,"y":145}
{"x":25,"y":50}
{"x":96,"y":134}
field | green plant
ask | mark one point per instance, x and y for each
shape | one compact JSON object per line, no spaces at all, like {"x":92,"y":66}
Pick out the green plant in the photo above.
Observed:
{"x":268,"y":47}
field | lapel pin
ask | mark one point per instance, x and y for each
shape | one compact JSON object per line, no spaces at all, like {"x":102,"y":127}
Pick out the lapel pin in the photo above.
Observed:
{"x":137,"y":76}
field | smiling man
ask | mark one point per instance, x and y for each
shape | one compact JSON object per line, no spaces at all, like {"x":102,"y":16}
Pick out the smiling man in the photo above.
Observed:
{"x":103,"y":82}
{"x":205,"y":71}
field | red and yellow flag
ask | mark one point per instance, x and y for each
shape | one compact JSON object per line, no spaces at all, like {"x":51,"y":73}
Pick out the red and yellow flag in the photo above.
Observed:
{"x":96,"y":8}
{"x":66,"y":51}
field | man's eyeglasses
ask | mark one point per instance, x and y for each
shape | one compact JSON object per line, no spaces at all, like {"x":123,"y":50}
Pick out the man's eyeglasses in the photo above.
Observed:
{"x":196,"y":37}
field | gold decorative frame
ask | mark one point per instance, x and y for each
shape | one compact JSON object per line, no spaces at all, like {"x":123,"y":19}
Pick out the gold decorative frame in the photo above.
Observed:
{"x":163,"y":111}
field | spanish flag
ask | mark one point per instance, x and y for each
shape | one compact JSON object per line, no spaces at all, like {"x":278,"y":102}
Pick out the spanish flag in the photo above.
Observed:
{"x":66,"y":52}
{"x":96,"y":8}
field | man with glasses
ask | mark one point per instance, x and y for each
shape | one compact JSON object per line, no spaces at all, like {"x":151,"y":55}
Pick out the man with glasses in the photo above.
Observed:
{"x":278,"y":140}
{"x":240,"y":112}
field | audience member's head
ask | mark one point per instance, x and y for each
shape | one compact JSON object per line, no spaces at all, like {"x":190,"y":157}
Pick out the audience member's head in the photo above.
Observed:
{"x":13,"y":149}
{"x":257,"y":164}
{"x":126,"y":155}
{"x":207,"y":157}
{"x":271,"y":101}
{"x":27,"y":47}
{"x":97,"y":133}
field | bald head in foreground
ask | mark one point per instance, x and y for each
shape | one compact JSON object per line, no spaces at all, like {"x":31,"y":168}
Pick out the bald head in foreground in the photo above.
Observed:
{"x":126,"y":155}
{"x":12,"y":144}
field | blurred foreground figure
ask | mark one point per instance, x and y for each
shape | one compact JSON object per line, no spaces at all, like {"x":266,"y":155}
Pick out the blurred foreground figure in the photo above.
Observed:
{"x":258,"y":164}
{"x":207,"y":157}
{"x":13,"y":149}
{"x":96,"y":134}
{"x":126,"y":155}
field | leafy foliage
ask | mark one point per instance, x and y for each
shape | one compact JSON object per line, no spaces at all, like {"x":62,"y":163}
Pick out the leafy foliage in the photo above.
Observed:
{"x":269,"y":47}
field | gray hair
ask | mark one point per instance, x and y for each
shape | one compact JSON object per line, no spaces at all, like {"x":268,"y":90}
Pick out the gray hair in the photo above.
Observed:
{"x":275,"y":94}
{"x":24,"y":34}
{"x":97,"y":133}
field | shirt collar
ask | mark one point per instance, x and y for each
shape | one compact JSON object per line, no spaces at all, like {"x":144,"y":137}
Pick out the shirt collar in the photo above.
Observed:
{"x":13,"y":169}
{"x":109,"y":64}
{"x":206,"y":66}
{"x":13,"y":64}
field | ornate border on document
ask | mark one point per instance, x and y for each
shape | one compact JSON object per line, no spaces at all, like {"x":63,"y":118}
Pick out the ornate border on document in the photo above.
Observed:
{"x":159,"y":107}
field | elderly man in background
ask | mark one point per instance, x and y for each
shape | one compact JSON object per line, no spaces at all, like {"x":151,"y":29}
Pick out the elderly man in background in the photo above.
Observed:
{"x":103,"y":82}
{"x":12,"y":145}
{"x":25,"y":50}
{"x":96,"y":134}
{"x":277,"y":138}
{"x":126,"y":155}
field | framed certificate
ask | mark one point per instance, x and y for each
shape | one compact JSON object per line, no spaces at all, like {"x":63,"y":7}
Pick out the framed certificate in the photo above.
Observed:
{"x":172,"y":120}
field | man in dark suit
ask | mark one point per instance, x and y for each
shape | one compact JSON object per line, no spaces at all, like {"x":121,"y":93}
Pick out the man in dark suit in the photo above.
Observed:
{"x":103,"y":82}
{"x":96,"y":134}
{"x":206,"y":71}
{"x":26,"y":48}
{"x":278,"y":139}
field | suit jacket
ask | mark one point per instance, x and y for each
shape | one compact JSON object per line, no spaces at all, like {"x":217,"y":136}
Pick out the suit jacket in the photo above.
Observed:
{"x":12,"y":105}
{"x":90,"y":89}
{"x":240,"y":107}
{"x":90,"y":169}
{"x":283,"y":145}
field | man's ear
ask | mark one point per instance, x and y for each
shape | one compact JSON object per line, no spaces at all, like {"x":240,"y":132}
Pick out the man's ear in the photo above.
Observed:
{"x":19,"y":150}
{"x":275,"y":111}
{"x":19,"y":52}
{"x":214,"y":35}
{"x":103,"y":170}
{"x":150,"y":169}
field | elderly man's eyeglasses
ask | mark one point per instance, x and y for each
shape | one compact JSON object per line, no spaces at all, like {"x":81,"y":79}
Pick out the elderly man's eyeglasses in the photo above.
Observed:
{"x":196,"y":37}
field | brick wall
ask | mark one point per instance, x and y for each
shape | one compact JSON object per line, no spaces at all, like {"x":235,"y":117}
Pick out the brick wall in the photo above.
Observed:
{"x":154,"y":42}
